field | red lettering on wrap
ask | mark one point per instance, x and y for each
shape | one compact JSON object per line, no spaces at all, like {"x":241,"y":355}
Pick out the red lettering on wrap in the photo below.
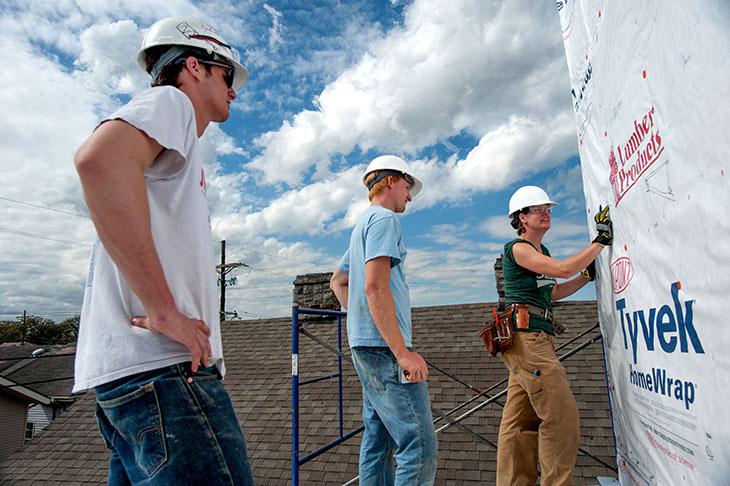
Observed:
{"x":642,"y":148}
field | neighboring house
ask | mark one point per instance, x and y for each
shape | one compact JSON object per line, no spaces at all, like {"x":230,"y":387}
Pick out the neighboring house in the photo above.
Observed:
{"x":35,"y":387}
{"x":14,"y":403}
{"x":259,"y":363}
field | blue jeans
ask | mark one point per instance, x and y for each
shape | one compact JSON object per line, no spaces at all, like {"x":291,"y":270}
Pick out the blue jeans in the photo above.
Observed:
{"x":397,"y":420}
{"x":170,"y":426}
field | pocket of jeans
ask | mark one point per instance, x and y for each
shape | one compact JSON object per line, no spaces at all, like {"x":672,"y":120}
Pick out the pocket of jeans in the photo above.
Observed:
{"x":369,"y":366}
{"x":136,"y":417}
{"x":205,"y":374}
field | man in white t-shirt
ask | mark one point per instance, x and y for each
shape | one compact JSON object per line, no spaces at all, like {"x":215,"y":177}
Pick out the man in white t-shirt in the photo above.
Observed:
{"x":149,"y":341}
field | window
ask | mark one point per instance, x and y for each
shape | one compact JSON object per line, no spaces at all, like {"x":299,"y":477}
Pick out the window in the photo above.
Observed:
{"x":29,"y":430}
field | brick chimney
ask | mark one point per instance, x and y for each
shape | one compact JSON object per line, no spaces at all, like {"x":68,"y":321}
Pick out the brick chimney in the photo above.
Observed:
{"x":313,"y":291}
{"x":499,"y":279}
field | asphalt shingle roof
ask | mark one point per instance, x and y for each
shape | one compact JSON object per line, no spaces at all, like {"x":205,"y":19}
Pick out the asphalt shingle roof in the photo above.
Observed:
{"x":11,"y":352}
{"x":258,"y":359}
{"x":43,"y":374}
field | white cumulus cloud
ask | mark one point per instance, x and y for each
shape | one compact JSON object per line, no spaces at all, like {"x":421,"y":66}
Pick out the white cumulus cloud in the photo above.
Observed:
{"x":452,"y":67}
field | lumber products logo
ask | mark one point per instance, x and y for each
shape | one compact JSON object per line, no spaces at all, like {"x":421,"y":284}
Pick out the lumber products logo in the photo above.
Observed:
{"x":673,"y":327}
{"x":622,"y":271}
{"x":638,"y":153}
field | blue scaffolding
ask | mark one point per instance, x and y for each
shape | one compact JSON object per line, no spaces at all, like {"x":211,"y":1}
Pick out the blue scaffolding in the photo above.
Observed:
{"x":297,"y":461}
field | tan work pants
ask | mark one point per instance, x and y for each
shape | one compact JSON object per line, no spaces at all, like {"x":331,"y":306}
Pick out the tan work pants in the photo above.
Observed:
{"x":540,"y":411}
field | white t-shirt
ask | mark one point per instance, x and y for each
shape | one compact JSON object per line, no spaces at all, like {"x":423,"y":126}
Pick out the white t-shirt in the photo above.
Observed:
{"x":109,"y":347}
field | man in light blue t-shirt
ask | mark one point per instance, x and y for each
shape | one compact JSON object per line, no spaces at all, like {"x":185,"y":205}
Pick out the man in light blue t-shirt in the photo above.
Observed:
{"x":370,"y":282}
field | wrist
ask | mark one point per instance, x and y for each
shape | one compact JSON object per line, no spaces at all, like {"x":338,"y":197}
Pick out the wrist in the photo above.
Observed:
{"x":400,"y":353}
{"x":161,"y":315}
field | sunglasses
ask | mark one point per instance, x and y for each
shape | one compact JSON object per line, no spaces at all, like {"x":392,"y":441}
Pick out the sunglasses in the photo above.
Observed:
{"x":387,"y":172}
{"x":408,"y":179}
{"x":230,"y":71}
{"x":539,"y":210}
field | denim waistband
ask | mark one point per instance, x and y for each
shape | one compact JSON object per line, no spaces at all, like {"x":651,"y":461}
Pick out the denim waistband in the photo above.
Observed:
{"x":180,"y":369}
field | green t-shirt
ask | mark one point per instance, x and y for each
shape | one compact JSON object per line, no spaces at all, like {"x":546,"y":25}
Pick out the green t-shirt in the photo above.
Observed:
{"x":523,"y":286}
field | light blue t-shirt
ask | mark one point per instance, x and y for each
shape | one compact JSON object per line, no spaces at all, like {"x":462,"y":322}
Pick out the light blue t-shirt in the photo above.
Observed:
{"x":377,"y":233}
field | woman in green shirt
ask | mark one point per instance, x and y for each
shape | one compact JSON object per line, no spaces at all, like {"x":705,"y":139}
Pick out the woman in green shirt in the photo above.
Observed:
{"x":540,"y":413}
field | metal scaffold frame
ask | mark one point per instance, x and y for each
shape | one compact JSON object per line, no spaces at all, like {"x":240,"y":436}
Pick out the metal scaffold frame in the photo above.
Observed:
{"x":298,"y":461}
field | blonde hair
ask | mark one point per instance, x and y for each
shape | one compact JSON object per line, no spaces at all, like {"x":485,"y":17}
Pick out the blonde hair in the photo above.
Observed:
{"x":377,"y":188}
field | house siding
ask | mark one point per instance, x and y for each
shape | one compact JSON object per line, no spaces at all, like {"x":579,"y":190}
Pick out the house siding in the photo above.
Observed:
{"x":40,"y":416}
{"x":12,"y":424}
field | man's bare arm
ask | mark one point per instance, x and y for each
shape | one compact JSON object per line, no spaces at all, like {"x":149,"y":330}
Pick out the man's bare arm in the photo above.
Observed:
{"x":339,"y":283}
{"x":382,"y":309}
{"x":111,"y":165}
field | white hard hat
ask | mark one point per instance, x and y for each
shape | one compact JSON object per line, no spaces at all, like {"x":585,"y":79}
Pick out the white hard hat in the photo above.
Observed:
{"x":528,"y":196}
{"x":395,"y":164}
{"x":191,"y":32}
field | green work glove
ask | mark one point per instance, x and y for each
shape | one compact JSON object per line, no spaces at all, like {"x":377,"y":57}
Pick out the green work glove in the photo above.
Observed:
{"x":604,"y":226}
{"x":589,"y":273}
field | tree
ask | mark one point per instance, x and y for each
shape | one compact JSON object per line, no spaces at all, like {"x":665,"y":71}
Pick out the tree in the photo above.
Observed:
{"x":10,"y":331}
{"x":40,"y":331}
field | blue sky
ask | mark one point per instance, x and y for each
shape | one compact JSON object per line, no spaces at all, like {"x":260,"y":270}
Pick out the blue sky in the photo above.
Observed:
{"x":474,"y":94}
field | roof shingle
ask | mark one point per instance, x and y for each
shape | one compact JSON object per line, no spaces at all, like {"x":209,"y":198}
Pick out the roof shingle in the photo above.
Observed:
{"x":258,"y":359}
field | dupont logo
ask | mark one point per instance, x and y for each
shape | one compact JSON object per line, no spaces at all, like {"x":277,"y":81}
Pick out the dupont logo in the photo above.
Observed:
{"x":622,"y":271}
{"x":636,"y":155}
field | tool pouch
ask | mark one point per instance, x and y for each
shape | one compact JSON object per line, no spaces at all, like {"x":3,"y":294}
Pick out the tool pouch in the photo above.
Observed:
{"x":522,"y":313}
{"x":499,"y":332}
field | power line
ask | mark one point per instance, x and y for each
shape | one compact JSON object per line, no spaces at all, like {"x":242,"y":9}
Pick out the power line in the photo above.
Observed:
{"x":38,"y":206}
{"x":256,"y":269}
{"x":43,"y":237}
{"x":265,"y":271}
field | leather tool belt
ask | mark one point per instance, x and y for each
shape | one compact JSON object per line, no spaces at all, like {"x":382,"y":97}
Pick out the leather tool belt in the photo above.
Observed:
{"x":526,"y":309}
{"x":522,"y":314}
{"x":499,"y":332}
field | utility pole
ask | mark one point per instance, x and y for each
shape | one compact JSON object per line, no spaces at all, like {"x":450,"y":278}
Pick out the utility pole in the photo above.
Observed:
{"x":22,"y":339}
{"x":223,"y":269}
